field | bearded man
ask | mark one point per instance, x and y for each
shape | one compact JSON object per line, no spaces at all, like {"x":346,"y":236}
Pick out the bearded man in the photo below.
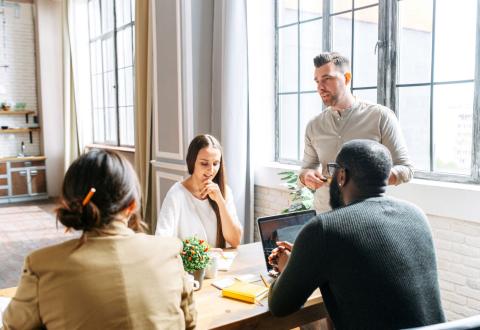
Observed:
{"x":372,"y":256}
{"x":346,"y":118}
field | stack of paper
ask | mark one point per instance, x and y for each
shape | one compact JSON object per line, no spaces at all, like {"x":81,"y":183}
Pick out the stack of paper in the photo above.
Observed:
{"x":245,"y":291}
{"x":225,"y":260}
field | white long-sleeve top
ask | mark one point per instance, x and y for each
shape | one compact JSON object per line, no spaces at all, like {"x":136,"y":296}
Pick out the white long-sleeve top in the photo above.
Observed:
{"x":183,"y":215}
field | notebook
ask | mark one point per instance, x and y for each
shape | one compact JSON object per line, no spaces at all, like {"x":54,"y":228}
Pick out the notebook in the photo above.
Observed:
{"x":245,"y":291}
{"x":283,"y":227}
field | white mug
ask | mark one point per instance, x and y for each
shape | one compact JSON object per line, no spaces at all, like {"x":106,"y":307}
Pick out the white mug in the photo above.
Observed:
{"x":212,"y":268}
{"x":195,"y":283}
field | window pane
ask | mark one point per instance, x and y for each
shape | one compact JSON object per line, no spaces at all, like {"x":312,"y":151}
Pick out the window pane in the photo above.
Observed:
{"x":127,"y":42}
{"x":127,"y":11}
{"x":342,"y":34}
{"x":341,"y":5}
{"x":107,"y":47}
{"x":91,"y":19}
{"x":310,"y":46}
{"x":132,"y":6}
{"x":119,"y":12}
{"x":287,"y":12}
{"x":130,"y":127}
{"x":99,"y":128}
{"x":99,"y":91}
{"x":369,"y":95}
{"x":121,"y":88}
{"x":362,"y":3}
{"x":123,"y":125}
{"x":288,"y":59}
{"x":452,"y":120}
{"x":455,"y":40}
{"x":107,"y":15}
{"x":364,"y":57}
{"x":288,"y":116}
{"x":120,"y":49}
{"x":129,"y":87}
{"x":310,"y":107}
{"x":310,"y":9}
{"x":414,"y":117}
{"x":98,"y":55}
{"x":111,"y":125}
{"x":415,"y":41}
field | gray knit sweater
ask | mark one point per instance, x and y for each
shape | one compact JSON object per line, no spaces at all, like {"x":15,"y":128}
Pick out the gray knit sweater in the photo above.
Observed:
{"x":374,"y":262}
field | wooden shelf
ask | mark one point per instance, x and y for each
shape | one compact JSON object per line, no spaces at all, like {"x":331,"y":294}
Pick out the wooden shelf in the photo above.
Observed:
{"x":16,"y":112}
{"x":19,"y":130}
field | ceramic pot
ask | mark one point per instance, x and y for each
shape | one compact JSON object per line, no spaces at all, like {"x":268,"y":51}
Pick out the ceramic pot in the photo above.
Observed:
{"x":199,"y":275}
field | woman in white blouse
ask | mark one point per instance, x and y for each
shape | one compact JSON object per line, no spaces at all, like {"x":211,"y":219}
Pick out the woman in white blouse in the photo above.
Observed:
{"x":202,"y":205}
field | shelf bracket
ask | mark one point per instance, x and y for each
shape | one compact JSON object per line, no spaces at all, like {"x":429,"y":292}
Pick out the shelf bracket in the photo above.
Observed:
{"x":31,"y":138}
{"x":26,"y":118}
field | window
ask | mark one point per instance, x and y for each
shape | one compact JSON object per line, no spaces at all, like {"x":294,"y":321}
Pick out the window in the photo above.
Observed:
{"x":418,"y":57}
{"x":112,"y":30}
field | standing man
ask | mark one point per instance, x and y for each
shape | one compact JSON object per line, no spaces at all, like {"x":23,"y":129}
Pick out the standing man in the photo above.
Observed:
{"x":345,"y":119}
{"x":372,"y":257}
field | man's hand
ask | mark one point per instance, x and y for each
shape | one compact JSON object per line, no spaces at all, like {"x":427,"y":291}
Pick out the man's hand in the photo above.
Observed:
{"x":392,"y":179}
{"x":313,"y":179}
{"x":280,"y":255}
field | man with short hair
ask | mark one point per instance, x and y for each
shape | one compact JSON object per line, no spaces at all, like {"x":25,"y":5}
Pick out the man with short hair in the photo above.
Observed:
{"x":372,"y":257}
{"x":345,"y":119}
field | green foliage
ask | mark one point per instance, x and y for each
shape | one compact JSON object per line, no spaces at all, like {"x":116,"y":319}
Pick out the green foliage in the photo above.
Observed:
{"x":301,"y":198}
{"x":194,"y":254}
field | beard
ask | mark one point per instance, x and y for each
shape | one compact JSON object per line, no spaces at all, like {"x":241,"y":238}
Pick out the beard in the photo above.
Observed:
{"x":336,"y":198}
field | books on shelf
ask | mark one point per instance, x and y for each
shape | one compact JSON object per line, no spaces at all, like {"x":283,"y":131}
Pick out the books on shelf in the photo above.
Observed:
{"x":245,"y":291}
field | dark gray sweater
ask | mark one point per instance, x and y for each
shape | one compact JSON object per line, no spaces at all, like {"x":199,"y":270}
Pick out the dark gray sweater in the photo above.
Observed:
{"x":374,"y":262}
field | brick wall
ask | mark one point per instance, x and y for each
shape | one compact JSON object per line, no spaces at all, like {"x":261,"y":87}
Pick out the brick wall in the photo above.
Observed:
{"x":457,"y":245}
{"x":19,"y":79}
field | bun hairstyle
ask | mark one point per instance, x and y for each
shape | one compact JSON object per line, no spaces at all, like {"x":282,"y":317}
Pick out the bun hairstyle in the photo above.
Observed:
{"x":116,"y":187}
{"x":197,"y":144}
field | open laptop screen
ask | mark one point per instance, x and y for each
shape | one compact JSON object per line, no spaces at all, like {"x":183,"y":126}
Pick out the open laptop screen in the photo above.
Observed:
{"x":283,"y":227}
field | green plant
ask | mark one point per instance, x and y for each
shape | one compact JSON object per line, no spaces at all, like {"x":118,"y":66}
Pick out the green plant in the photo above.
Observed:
{"x":194,"y":254}
{"x":301,"y":197}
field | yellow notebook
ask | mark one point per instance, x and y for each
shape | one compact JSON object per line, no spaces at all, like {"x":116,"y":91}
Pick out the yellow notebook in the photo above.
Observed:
{"x":245,"y":291}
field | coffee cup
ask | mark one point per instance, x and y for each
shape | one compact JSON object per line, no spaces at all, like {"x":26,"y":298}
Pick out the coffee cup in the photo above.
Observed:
{"x":212,"y":268}
{"x":195,"y":283}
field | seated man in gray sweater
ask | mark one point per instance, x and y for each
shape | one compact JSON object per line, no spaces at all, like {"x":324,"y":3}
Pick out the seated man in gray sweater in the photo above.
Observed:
{"x":372,"y":256}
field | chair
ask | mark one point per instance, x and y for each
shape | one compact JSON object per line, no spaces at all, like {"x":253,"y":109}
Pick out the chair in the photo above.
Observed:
{"x":462,"y":324}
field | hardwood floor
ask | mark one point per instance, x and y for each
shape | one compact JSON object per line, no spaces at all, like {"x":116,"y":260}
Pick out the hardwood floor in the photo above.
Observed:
{"x":25,"y":227}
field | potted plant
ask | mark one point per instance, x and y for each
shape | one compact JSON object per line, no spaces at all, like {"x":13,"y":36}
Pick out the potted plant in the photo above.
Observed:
{"x":301,"y":197}
{"x":195,"y":257}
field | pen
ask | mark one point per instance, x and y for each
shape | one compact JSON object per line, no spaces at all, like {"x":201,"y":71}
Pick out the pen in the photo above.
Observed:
{"x":265,"y":281}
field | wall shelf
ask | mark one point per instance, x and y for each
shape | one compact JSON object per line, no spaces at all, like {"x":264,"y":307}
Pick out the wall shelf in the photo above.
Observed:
{"x":20,"y":130}
{"x":16,"y":112}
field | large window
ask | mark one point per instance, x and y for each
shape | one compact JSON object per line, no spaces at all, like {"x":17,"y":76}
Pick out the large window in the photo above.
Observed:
{"x":111,"y":30}
{"x":418,"y":57}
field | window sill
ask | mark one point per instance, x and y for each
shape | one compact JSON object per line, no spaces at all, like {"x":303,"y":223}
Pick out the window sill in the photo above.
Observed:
{"x":110,"y":147}
{"x":444,"y":199}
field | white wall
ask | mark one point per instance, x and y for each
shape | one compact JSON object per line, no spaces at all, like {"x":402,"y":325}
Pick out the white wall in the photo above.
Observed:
{"x":50,"y":60}
{"x":18,"y":81}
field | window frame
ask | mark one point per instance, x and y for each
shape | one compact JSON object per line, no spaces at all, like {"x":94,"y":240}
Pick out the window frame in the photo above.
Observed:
{"x":387,"y":92}
{"x":104,"y":36}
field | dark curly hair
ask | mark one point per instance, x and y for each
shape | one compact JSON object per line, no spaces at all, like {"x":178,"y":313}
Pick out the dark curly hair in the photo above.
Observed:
{"x":116,"y":186}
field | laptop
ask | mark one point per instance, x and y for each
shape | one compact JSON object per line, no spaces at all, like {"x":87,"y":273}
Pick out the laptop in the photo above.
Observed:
{"x":282,"y":227}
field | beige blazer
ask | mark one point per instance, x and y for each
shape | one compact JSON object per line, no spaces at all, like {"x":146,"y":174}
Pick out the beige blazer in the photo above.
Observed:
{"x":119,"y":281}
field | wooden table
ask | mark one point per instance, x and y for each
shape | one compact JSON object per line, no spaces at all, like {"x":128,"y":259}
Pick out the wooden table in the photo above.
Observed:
{"x":216,"y":312}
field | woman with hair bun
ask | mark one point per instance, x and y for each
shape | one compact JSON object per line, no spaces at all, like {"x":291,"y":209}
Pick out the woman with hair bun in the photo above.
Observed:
{"x":112,"y":277}
{"x":202,"y":205}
